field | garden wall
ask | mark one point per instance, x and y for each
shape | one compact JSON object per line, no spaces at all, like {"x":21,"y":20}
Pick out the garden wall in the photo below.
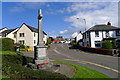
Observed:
{"x":95,"y":50}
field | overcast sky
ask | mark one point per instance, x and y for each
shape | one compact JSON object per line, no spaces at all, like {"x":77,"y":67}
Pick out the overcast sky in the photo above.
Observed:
{"x":60,"y":18}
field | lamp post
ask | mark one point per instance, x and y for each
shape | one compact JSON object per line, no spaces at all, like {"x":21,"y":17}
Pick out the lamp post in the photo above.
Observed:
{"x":84,"y":22}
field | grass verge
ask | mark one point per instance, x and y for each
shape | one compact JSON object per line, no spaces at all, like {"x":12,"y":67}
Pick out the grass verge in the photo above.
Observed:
{"x":84,"y":72}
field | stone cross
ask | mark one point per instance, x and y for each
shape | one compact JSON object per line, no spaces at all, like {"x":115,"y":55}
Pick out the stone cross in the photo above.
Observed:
{"x":40,"y":55}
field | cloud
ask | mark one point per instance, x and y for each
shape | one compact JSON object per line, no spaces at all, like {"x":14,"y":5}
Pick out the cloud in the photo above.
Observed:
{"x":20,"y":7}
{"x":92,"y":14}
{"x":60,"y":11}
{"x":63,"y":32}
{"x":59,"y":0}
{"x":74,"y":34}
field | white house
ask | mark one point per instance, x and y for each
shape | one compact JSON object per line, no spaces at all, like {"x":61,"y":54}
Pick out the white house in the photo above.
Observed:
{"x":9,"y":33}
{"x":1,"y":30}
{"x":93,"y":37}
{"x":26,"y":35}
{"x":78,"y":37}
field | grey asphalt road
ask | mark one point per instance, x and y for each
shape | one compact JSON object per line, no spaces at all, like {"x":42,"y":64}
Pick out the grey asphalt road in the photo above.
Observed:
{"x":103,"y":63}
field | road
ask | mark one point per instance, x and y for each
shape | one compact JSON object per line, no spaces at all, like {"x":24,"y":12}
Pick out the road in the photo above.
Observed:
{"x":102,"y":63}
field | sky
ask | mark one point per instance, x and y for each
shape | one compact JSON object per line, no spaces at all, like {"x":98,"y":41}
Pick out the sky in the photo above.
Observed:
{"x":65,"y":19}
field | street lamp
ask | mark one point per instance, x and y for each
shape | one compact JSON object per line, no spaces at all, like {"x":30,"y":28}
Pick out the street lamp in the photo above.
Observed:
{"x":84,"y":22}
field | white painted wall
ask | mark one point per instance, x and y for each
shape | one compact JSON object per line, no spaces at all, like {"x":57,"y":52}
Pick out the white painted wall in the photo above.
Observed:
{"x":28,"y":36}
{"x":102,"y":34}
{"x":11,"y":35}
{"x":79,"y":36}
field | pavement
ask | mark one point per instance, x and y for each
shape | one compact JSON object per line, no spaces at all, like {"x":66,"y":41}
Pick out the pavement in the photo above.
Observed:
{"x":105,"y":64}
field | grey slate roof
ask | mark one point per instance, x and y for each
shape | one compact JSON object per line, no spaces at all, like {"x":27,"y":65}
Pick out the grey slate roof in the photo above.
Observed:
{"x":34,"y":29}
{"x":102,"y":28}
{"x":6,"y":32}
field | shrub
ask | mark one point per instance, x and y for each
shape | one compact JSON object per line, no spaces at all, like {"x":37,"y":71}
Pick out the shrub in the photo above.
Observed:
{"x":13,"y":67}
{"x":22,"y":46}
{"x":7,"y":44}
{"x":73,"y":43}
{"x":49,"y":41}
{"x":107,"y":44}
{"x":114,"y":44}
{"x":95,"y":50}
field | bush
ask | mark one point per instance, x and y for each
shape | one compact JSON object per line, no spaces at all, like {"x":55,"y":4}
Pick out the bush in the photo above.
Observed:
{"x":22,"y":46}
{"x":95,"y":50}
{"x":73,"y":43}
{"x":13,"y":67}
{"x":107,"y":44}
{"x":7,"y":44}
{"x":49,"y":41}
{"x":114,"y":44}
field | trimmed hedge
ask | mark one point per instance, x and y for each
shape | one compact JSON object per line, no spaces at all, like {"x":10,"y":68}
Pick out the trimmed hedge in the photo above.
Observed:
{"x":13,"y":68}
{"x":95,"y":50}
{"x":7,"y":44}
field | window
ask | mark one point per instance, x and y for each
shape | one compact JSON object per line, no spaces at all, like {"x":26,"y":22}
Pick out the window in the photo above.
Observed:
{"x":117,"y":32}
{"x":96,"y":33}
{"x":21,"y":42}
{"x":34,"y":35}
{"x":87,"y":34}
{"x":34,"y":41}
{"x":97,"y":44}
{"x":87,"y":43}
{"x":14,"y":35}
{"x":21,"y":34}
{"x":107,"y":33}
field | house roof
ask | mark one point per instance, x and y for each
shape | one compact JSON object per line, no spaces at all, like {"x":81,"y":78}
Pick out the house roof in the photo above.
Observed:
{"x":102,"y":28}
{"x":33,"y":29}
{"x":3,"y":28}
{"x":6,"y":32}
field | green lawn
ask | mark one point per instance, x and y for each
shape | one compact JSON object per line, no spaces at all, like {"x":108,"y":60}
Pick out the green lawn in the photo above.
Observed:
{"x":84,"y":72}
{"x":10,"y":53}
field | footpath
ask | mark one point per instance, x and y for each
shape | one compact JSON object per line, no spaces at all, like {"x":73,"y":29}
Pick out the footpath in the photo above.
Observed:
{"x":64,"y":69}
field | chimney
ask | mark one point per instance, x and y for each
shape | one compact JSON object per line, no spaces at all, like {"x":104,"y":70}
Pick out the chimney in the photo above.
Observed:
{"x":109,"y":23}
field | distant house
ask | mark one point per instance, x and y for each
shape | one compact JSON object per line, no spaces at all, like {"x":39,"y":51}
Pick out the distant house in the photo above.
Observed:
{"x":9,"y":33}
{"x":26,"y":35}
{"x":94,"y":36}
{"x":78,"y":37}
{"x":3,"y":29}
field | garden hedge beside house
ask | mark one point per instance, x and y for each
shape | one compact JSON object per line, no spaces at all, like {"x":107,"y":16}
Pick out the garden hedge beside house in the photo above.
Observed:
{"x":95,"y":50}
{"x":7,"y":44}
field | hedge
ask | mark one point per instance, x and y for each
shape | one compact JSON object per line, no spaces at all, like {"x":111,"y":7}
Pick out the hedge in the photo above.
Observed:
{"x":13,"y":68}
{"x":7,"y":44}
{"x":95,"y":50}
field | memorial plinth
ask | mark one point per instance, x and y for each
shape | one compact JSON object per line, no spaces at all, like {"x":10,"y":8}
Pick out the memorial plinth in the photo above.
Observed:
{"x":41,"y":60}
{"x":40,"y":53}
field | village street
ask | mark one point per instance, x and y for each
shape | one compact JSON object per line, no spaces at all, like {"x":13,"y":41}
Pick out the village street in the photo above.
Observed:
{"x":102,"y":63}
